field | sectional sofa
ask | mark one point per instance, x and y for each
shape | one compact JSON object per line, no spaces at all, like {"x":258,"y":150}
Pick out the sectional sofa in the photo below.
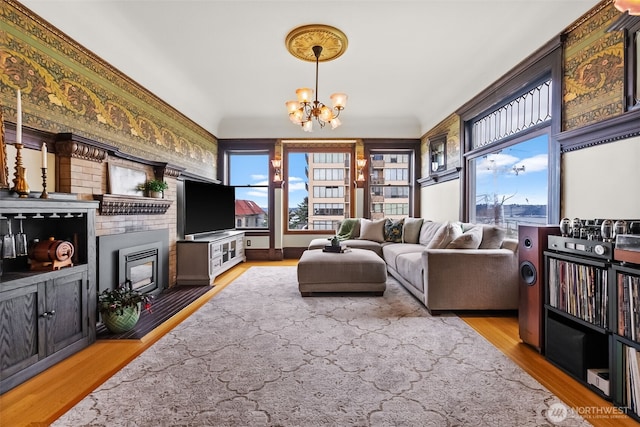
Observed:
{"x":448,"y":266}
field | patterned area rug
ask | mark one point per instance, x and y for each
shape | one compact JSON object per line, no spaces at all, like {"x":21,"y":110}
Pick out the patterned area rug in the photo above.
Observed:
{"x":258,"y":354}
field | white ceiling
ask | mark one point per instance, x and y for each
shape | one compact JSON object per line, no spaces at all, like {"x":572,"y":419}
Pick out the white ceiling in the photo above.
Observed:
{"x":223,"y":63}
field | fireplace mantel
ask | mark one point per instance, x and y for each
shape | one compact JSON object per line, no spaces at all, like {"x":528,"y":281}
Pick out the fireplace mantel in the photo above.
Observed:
{"x":131,"y":205}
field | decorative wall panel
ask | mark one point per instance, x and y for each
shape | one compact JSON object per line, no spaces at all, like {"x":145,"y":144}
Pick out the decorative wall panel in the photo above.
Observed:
{"x":451,"y":127}
{"x":593,"y":81}
{"x":66,"y":88}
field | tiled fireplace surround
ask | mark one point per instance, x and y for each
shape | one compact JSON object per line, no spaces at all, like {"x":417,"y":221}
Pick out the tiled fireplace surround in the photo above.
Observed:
{"x":82,"y":167}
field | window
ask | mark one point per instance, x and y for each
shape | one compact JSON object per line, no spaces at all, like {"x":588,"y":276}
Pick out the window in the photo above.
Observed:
{"x":248,"y":172}
{"x":509,"y":171}
{"x":395,"y":209}
{"x":328,"y":174}
{"x":390,"y":184}
{"x":396,"y":174}
{"x":318,"y":190}
{"x":328,"y":192}
{"x":328,"y":209}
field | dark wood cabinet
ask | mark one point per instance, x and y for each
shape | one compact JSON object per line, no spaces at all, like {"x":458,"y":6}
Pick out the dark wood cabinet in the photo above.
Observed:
{"x":43,"y":322}
{"x":47,"y":314}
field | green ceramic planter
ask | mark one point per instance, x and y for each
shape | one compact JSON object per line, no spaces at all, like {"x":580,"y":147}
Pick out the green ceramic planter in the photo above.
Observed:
{"x":118,"y":323}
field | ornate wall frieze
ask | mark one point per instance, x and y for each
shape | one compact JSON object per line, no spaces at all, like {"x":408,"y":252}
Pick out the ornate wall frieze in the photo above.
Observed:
{"x":67,"y":88}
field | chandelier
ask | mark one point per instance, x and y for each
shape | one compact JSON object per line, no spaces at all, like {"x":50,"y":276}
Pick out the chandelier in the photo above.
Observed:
{"x":631,"y":6}
{"x":316,"y":43}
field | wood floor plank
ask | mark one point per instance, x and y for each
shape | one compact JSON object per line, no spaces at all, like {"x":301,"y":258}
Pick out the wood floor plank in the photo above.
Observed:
{"x":42,"y":399}
{"x":503,"y":333}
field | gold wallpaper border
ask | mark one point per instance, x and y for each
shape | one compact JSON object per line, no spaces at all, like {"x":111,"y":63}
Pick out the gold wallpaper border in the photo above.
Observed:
{"x":593,"y":79}
{"x":67,"y":88}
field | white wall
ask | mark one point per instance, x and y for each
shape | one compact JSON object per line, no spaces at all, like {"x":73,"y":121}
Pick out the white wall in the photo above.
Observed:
{"x":602,"y":181}
{"x":441,"y":202}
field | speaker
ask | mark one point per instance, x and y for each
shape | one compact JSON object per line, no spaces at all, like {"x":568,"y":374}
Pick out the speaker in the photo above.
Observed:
{"x":532,"y":242}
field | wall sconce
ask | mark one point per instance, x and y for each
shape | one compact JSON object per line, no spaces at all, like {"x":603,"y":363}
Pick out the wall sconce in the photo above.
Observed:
{"x":277,"y":171}
{"x":361,"y":163}
{"x":438,"y":153}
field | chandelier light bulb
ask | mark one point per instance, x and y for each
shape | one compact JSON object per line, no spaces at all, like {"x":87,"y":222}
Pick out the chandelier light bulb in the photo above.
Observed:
{"x":325,"y":113}
{"x":335,"y":123}
{"x":339,"y":100}
{"x":305,"y":95}
{"x":297,"y":116}
{"x":292,"y":106}
{"x":307,"y":126}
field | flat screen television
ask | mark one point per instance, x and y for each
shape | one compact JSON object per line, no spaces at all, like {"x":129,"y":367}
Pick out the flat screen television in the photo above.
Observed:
{"x":208,"y":207}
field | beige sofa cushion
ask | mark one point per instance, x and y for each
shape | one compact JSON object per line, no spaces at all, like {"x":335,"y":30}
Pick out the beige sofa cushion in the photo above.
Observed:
{"x":470,"y":239}
{"x":445,"y":235}
{"x":427,"y":231}
{"x":411,"y":230}
{"x":390,"y":253}
{"x":372,"y":230}
{"x":492,"y":237}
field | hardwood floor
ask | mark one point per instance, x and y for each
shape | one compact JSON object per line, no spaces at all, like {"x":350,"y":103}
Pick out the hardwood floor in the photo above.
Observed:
{"x":41,"y":400}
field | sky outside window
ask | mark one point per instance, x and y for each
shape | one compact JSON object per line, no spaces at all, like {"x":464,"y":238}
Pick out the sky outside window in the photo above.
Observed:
{"x":252,"y":170}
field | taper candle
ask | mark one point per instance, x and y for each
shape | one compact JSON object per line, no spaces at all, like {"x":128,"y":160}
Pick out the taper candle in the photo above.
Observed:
{"x":44,"y":155}
{"x":19,"y":120}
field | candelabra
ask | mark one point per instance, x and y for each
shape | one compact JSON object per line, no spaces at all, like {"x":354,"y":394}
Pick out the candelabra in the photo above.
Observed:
{"x":44,"y":194}
{"x":20,"y":185}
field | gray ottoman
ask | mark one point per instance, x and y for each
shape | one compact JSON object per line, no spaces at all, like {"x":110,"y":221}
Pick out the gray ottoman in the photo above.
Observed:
{"x":358,"y":270}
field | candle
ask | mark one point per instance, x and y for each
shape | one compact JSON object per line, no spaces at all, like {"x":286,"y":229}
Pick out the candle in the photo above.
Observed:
{"x":44,"y":155}
{"x":19,"y":120}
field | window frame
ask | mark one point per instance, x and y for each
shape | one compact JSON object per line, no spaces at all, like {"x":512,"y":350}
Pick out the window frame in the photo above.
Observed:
{"x":410,"y":148}
{"x":501,"y":145}
{"x":227,"y":180}
{"x":309,"y":148}
{"x":544,"y":64}
{"x":227,"y":146}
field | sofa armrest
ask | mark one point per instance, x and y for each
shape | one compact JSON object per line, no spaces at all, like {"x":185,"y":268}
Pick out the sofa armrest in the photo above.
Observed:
{"x":475,"y":279}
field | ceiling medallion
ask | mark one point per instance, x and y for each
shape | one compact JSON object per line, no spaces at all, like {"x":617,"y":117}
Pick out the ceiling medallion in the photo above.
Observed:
{"x":300,"y":42}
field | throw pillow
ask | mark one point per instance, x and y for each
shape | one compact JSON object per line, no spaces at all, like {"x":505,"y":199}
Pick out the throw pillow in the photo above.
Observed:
{"x":393,"y":230}
{"x":470,"y":239}
{"x":492,"y":237}
{"x":411,"y":230}
{"x":372,"y":230}
{"x":445,"y":235}
{"x":427,"y":231}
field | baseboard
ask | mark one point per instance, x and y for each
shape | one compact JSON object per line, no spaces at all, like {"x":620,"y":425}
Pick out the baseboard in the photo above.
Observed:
{"x":263,"y":254}
{"x":293,"y":253}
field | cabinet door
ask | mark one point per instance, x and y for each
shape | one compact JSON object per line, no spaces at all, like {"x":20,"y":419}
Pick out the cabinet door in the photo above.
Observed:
{"x":66,"y":311}
{"x":21,"y":341}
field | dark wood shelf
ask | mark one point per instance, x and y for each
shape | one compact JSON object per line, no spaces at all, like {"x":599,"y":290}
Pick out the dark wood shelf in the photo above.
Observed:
{"x":131,"y":205}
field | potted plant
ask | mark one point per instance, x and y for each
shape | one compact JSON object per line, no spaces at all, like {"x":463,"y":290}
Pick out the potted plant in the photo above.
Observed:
{"x":154,"y":187}
{"x":121,"y":307}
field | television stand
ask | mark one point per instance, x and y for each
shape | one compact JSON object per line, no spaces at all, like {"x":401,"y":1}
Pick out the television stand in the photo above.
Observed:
{"x":201,"y":260}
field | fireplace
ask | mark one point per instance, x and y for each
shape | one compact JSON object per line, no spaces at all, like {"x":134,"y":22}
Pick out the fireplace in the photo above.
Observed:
{"x":141,"y":257}
{"x":138,"y":266}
